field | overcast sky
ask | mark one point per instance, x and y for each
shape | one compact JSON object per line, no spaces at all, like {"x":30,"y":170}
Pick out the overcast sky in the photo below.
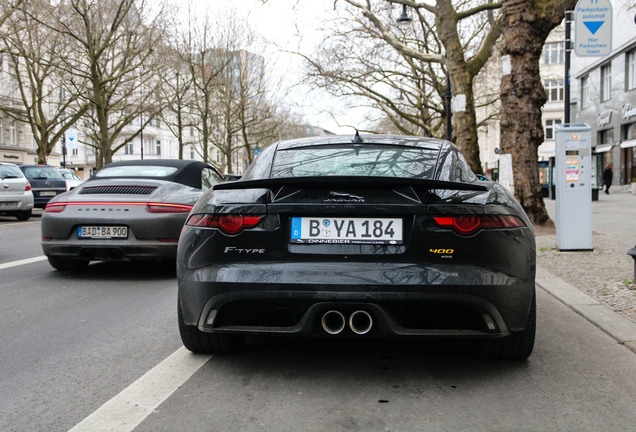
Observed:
{"x":294,"y":25}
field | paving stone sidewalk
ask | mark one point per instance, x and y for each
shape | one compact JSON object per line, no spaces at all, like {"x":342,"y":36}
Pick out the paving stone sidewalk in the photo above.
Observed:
{"x":607,"y":272}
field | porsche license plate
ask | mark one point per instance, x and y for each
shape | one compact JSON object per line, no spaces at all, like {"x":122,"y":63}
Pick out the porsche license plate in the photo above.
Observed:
{"x":346,"y":230}
{"x":103,"y":232}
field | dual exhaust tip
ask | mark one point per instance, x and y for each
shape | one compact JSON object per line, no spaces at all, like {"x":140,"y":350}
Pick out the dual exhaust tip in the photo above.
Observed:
{"x":334,"y":322}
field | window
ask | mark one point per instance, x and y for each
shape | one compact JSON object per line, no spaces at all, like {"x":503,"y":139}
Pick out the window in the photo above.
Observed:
{"x":75,"y":151}
{"x":209,"y":178}
{"x":218,"y":156}
{"x":158,"y":147}
{"x":13,"y":138}
{"x":606,"y":82}
{"x":554,"y":53}
{"x":554,"y":90}
{"x":585,"y":91}
{"x":550,"y":128}
{"x":606,"y":136}
{"x":630,"y":73}
{"x":157,"y":123}
{"x":128,"y":149}
{"x":191,"y":152}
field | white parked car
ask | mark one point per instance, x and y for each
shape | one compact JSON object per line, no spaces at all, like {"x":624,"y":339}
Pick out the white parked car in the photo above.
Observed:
{"x":16,"y":197}
{"x":72,"y":180}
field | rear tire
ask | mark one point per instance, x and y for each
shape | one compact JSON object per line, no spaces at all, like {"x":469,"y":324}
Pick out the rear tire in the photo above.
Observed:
{"x":67,"y":264}
{"x":207,"y":343}
{"x":518,"y":345}
{"x":24,"y":215}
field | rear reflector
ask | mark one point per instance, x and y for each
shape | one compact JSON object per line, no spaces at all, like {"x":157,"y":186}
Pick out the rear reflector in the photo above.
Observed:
{"x":470,"y":224}
{"x":230,"y":224}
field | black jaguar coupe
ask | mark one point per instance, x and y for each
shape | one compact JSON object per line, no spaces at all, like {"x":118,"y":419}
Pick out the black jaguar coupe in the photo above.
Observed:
{"x":372,"y":237}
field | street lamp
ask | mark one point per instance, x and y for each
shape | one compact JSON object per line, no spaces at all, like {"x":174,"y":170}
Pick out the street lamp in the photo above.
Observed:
{"x":404,"y":19}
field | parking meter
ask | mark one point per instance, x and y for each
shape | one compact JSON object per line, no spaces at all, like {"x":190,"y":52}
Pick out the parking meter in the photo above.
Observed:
{"x":573,"y":177}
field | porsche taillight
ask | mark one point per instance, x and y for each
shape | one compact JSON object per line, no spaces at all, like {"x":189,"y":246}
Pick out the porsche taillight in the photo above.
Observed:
{"x":471,"y":224}
{"x":230,"y":224}
{"x":168,"y":208}
{"x":55,"y":207}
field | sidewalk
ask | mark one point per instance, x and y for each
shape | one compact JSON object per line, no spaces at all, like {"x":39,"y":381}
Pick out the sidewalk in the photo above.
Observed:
{"x":597,"y":284}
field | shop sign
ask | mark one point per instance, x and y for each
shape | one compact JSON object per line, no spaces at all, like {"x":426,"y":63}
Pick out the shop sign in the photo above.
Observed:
{"x":628,"y":111}
{"x":604,"y":118}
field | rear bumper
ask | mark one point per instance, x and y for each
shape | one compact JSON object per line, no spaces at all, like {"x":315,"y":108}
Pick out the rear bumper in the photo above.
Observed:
{"x":111,"y":249}
{"x":404,"y":300}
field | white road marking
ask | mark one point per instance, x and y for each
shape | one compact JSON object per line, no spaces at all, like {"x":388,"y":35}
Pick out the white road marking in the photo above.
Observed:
{"x":22,"y":262}
{"x":129,"y":408}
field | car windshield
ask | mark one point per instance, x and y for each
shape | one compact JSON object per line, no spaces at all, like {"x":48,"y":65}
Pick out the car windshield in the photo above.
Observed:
{"x":356,"y":160}
{"x":10,"y":171}
{"x":69,"y":175}
{"x":137,"y":171}
{"x":42,"y":173}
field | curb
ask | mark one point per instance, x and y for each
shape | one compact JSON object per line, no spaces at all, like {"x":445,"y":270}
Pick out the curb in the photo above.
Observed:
{"x":622,"y":329}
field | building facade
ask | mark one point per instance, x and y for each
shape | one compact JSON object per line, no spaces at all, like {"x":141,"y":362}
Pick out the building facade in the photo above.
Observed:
{"x":604,"y":96}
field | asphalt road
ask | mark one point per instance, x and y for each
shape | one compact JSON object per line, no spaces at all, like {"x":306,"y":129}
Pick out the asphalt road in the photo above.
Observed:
{"x":71,"y":342}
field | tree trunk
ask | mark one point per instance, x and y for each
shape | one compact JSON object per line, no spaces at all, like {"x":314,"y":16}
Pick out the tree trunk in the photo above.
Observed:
{"x":464,"y":118}
{"x":526,"y":26}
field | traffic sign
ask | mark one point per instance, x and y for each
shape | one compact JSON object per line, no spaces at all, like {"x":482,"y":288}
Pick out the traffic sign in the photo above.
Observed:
{"x":71,"y":138}
{"x":593,"y":28}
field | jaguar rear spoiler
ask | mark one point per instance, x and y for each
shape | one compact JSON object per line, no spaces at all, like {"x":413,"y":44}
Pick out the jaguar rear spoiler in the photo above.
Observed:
{"x":353,"y":181}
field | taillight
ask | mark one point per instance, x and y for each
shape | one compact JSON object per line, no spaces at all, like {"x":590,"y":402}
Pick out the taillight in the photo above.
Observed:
{"x":230,"y":224}
{"x":470,"y":224}
{"x":168,"y":208}
{"x":55,"y":207}
{"x":28,"y":186}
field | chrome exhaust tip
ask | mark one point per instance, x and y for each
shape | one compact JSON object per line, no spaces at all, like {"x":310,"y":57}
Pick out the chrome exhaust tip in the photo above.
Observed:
{"x":333,"y":322}
{"x":360,"y":322}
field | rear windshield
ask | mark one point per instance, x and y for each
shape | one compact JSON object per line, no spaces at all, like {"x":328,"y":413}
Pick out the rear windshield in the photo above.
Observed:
{"x":137,"y":171}
{"x":355,"y":160}
{"x":41,"y":173}
{"x":10,"y":171}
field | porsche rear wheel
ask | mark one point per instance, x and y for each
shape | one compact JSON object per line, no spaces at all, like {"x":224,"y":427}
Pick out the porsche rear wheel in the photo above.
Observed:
{"x":207,"y":343}
{"x":65,"y":264}
{"x":518,"y":345}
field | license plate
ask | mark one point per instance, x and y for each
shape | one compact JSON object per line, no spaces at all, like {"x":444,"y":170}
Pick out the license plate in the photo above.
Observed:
{"x":48,"y":193}
{"x":8,"y":204}
{"x":346,"y":230}
{"x":103,"y":232}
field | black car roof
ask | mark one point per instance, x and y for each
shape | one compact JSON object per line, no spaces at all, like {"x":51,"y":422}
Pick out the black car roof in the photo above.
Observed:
{"x":188,"y":171}
{"x":367,"y":139}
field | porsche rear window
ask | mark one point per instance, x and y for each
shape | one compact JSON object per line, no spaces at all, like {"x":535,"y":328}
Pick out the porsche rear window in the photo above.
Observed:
{"x":373,"y":161}
{"x":137,"y":171}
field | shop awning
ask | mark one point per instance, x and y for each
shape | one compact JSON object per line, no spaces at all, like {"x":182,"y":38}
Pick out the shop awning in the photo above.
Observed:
{"x":602,"y":148}
{"x":627,"y":144}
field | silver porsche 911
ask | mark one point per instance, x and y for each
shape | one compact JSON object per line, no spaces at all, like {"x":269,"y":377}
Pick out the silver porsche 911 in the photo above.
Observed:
{"x":132,"y":210}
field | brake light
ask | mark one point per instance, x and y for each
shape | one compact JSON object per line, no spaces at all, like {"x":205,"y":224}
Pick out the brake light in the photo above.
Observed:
{"x":470,"y":224}
{"x":28,"y":187}
{"x":55,"y":207}
{"x":230,"y":224}
{"x":168,"y":208}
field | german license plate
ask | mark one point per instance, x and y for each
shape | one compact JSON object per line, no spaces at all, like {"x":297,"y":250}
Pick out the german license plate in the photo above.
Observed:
{"x":48,"y":193}
{"x":102,"y":232}
{"x":346,"y":230}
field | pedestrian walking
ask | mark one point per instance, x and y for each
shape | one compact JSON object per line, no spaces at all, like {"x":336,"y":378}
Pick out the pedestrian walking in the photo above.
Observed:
{"x":607,"y":177}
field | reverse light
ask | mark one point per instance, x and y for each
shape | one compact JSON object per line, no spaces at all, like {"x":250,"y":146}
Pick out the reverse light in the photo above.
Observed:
{"x":467,"y":225}
{"x":230,"y":224}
